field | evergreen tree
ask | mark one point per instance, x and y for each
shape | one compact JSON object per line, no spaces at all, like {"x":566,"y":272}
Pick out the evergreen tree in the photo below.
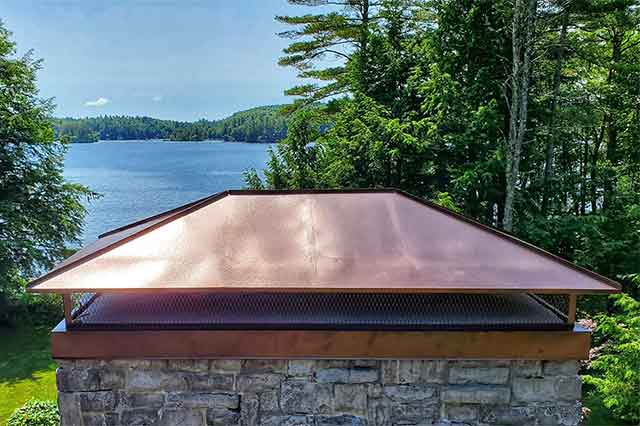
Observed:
{"x":40,"y":213}
{"x":335,"y":35}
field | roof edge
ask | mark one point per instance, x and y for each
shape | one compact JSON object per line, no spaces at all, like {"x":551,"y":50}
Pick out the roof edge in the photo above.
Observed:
{"x":512,"y":238}
{"x":155,"y":216}
{"x":188,"y":208}
{"x":179,"y":212}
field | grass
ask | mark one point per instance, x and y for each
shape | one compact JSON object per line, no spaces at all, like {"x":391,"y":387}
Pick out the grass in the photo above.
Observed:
{"x":27,"y":371}
{"x":26,"y":368}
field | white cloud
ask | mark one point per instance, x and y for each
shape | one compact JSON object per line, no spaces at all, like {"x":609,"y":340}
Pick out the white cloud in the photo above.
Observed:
{"x":157,"y":98}
{"x":100,"y":102}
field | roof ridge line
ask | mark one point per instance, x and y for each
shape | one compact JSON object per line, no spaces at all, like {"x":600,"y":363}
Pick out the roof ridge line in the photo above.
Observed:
{"x":194,"y":206}
{"x":381,"y":190}
{"x":510,"y":237}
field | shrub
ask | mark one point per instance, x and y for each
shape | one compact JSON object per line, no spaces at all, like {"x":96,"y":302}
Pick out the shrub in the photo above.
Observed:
{"x":616,"y":369}
{"x":30,"y":309}
{"x":36,"y":413}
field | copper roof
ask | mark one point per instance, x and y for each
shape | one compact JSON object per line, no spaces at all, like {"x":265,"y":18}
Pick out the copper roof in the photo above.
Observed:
{"x":362,"y":240}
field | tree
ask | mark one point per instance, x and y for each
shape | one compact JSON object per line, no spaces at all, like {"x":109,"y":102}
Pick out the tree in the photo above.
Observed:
{"x":292,"y":165}
{"x":524,"y":12}
{"x":40,"y":213}
{"x":338,"y":35}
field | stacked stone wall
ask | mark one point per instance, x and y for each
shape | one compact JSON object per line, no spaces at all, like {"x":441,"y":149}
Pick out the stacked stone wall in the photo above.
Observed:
{"x":318,"y":392}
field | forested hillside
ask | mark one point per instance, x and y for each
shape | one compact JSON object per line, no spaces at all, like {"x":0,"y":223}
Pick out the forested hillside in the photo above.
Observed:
{"x":522,"y":114}
{"x":261,"y":124}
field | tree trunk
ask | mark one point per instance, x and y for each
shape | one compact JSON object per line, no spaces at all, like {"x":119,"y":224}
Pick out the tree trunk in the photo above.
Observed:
{"x":522,"y":32}
{"x":557,"y":75}
{"x":594,"y":167}
{"x":612,"y":129}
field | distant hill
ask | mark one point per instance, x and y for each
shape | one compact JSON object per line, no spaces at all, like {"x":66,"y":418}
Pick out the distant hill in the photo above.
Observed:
{"x":261,"y":124}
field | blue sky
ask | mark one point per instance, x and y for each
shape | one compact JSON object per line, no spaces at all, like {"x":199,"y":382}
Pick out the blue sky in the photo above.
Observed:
{"x":181,"y":59}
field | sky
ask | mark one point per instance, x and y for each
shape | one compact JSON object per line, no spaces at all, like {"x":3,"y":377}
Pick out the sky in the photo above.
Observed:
{"x":180,"y":59}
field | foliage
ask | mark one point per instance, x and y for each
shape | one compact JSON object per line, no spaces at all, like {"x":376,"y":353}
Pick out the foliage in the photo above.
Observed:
{"x":40,"y":213}
{"x":423,"y":99}
{"x":262,"y":124}
{"x":616,"y":370}
{"x":317,"y":38}
{"x":32,"y":309}
{"x":26,"y":368}
{"x":36,"y":413}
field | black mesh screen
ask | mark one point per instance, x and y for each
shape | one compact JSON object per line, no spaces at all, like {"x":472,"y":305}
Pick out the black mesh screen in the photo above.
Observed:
{"x":556,"y":302}
{"x":355,"y":311}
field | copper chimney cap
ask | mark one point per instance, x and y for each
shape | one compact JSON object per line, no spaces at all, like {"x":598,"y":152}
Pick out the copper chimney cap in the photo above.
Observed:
{"x":381,"y":240}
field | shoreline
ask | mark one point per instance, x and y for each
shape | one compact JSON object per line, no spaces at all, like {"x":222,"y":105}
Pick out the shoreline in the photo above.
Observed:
{"x":172,"y":141}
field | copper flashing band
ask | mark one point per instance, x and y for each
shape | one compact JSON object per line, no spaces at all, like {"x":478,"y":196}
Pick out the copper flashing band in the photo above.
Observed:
{"x":315,"y":241}
{"x":313,"y":344}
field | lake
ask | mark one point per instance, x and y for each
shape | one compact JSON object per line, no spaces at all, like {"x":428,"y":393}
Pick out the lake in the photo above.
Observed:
{"x":141,"y":178}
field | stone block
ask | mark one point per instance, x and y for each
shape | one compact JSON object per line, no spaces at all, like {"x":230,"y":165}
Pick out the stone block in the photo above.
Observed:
{"x":534,"y":389}
{"x":287,"y":421}
{"x":141,"y":400}
{"x":203,"y":400}
{"x":409,"y":393}
{"x":264,"y":366}
{"x":140,"y":417}
{"x":363,"y":375}
{"x":369,"y":363}
{"x":561,"y":368}
{"x":526,"y":369}
{"x":424,"y":412}
{"x":478,"y":375}
{"x":460,"y":413}
{"x":334,"y":363}
{"x":483,"y":363}
{"x":378,"y":412}
{"x":125,"y":364}
{"x":225,"y":365}
{"x":559,"y":415}
{"x":209,"y":381}
{"x":190,"y":365}
{"x":569,"y":388}
{"x":256,"y":383}
{"x":222,"y":417}
{"x":94,"y":419}
{"x":343,"y":420}
{"x":112,"y":419}
{"x":153,"y":380}
{"x":421,"y":371}
{"x":300,"y":368}
{"x":332,"y":375}
{"x":303,"y":397}
{"x":70,"y":413}
{"x":249,"y":407}
{"x":347,"y":375}
{"x":77,"y":379}
{"x":111,"y":378}
{"x":389,"y":371}
{"x":182,"y":417}
{"x":547,"y":389}
{"x":507,"y":416}
{"x":350,"y":399}
{"x":98,"y":401}
{"x":270,"y":401}
{"x":375,"y":390}
{"x":476,"y":394}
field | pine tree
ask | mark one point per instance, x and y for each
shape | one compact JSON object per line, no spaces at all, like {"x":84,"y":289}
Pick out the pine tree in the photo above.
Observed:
{"x":336,"y":36}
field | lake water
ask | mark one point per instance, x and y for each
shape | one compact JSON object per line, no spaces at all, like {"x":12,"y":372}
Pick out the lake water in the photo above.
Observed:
{"x":141,"y":178}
